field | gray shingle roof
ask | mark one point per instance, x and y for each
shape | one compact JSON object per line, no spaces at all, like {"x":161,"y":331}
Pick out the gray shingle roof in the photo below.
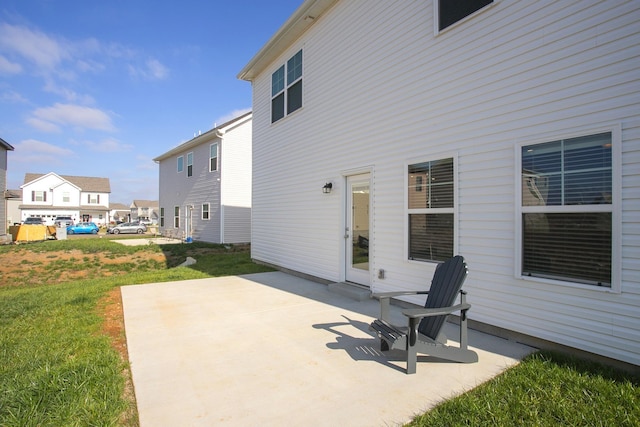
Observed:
{"x":85,"y":183}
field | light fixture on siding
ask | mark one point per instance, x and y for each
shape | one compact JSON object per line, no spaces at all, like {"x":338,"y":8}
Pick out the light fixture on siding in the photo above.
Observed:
{"x":327,"y":188}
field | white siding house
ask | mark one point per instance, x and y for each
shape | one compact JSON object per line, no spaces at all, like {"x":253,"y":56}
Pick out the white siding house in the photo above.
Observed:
{"x":83,"y":198}
{"x":205,"y":185}
{"x":509,"y":134}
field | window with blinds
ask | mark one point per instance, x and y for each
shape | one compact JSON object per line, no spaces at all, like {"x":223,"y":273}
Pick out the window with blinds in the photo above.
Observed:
{"x":430,"y":203}
{"x":567,"y":209}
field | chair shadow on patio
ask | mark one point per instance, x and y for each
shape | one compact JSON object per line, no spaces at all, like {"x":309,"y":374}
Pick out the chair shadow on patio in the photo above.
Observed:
{"x":366,"y":349}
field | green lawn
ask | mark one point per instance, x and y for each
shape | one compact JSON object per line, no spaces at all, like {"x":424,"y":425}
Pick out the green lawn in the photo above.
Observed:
{"x":60,"y":369}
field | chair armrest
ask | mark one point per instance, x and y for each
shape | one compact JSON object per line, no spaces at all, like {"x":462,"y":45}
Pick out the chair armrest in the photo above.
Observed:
{"x":385,"y":300}
{"x":419,"y":313}
{"x":382,"y":295}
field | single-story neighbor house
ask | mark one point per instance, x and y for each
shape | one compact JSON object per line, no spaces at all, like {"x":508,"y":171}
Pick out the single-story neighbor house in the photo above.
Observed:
{"x":119,"y":212}
{"x":389,"y":136}
{"x":205,"y":185}
{"x":83,"y":198}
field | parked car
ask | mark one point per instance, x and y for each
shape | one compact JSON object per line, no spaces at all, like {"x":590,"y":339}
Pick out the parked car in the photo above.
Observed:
{"x":128,"y":227}
{"x":33,"y":220}
{"x":63,"y":221}
{"x":83,"y":228}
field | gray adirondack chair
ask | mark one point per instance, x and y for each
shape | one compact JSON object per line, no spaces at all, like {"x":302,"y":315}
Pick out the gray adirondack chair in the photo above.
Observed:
{"x":423,"y":333}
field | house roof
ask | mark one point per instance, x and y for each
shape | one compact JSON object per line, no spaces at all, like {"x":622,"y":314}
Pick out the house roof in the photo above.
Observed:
{"x":13,"y":194}
{"x":118,"y":207}
{"x":291,"y":30}
{"x":145,"y":204}
{"x":4,"y":144}
{"x":85,"y":183}
{"x":216,"y":132}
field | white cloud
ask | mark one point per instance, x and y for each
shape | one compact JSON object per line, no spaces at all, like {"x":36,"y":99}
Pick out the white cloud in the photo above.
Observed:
{"x":8,"y":67}
{"x":108,"y":145}
{"x":13,"y":97}
{"x":34,"y":152}
{"x":152,"y":70}
{"x":32,"y":45}
{"x":77,"y":116}
{"x":230,"y":116}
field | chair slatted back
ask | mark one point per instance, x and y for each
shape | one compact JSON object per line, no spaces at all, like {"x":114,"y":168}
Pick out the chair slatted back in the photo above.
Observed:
{"x":445,"y":285}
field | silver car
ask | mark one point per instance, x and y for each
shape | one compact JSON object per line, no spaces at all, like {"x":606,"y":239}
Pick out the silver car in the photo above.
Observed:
{"x":128,"y":227}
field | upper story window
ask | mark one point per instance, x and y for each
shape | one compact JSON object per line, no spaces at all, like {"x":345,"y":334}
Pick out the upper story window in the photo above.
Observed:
{"x":452,"y":11}
{"x":431,"y":210}
{"x":180,"y":164}
{"x":38,"y":196}
{"x":286,"y":88}
{"x":66,"y":197}
{"x":566,"y":210}
{"x":93,"y":199}
{"x":213,"y":157}
{"x":189,"y":164}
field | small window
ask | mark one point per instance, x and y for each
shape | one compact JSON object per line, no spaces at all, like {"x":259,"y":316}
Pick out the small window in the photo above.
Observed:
{"x":180,"y":164}
{"x":430,"y":206}
{"x":286,"y":97}
{"x":38,"y":196}
{"x":161,"y":217}
{"x":205,"y":211}
{"x":176,"y":216}
{"x":213,"y":157}
{"x":189,"y":164}
{"x":66,"y":197}
{"x":452,"y":11}
{"x":566,"y":205}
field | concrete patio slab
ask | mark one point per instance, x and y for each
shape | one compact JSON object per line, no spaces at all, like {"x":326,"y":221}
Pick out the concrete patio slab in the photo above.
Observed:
{"x":271,"y":349}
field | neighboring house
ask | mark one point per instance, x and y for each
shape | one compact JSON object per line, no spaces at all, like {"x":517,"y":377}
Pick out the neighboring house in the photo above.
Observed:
{"x":14,"y":200}
{"x":205,"y":185}
{"x":4,"y":148}
{"x":509,"y":134}
{"x":119,"y":212}
{"x":50,"y":195}
{"x":145,"y":210}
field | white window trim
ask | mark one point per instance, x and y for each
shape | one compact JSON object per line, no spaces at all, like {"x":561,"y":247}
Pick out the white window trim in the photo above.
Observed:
{"x":176,"y":216}
{"x":217,"y":157}
{"x":287,"y":86}
{"x":208,"y":212}
{"x":189,"y":163}
{"x":436,"y":17}
{"x":454,"y":210}
{"x":178,"y":164}
{"x":615,"y":208}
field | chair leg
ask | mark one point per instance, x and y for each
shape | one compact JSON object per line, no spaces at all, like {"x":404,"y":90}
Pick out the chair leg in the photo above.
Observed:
{"x":412,"y":358}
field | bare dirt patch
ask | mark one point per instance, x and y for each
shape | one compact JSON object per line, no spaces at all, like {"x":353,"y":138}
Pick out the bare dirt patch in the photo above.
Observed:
{"x":41,"y":268}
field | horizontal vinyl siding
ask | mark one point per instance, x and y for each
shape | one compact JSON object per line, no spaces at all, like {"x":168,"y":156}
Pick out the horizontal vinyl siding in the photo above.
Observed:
{"x":236,"y":173}
{"x":176,"y":189}
{"x":380,"y":91}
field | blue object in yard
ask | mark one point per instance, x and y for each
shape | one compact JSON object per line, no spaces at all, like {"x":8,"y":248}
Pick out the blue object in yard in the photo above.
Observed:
{"x":188,"y":239}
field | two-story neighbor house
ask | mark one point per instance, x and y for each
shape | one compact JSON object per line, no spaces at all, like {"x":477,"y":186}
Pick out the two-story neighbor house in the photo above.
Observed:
{"x":83,"y":198}
{"x":205,"y":185}
{"x":144,"y":210}
{"x":391,"y":135}
{"x":4,"y":148}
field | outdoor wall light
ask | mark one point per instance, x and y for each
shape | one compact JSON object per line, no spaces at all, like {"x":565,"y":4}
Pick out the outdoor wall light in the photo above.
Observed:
{"x":327,"y":188}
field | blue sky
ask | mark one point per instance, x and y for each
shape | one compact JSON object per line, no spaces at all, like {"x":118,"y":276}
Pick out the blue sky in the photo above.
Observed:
{"x":100,"y":88}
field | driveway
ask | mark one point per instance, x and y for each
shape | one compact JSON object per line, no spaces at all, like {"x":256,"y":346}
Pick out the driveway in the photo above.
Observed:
{"x":271,"y":349}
